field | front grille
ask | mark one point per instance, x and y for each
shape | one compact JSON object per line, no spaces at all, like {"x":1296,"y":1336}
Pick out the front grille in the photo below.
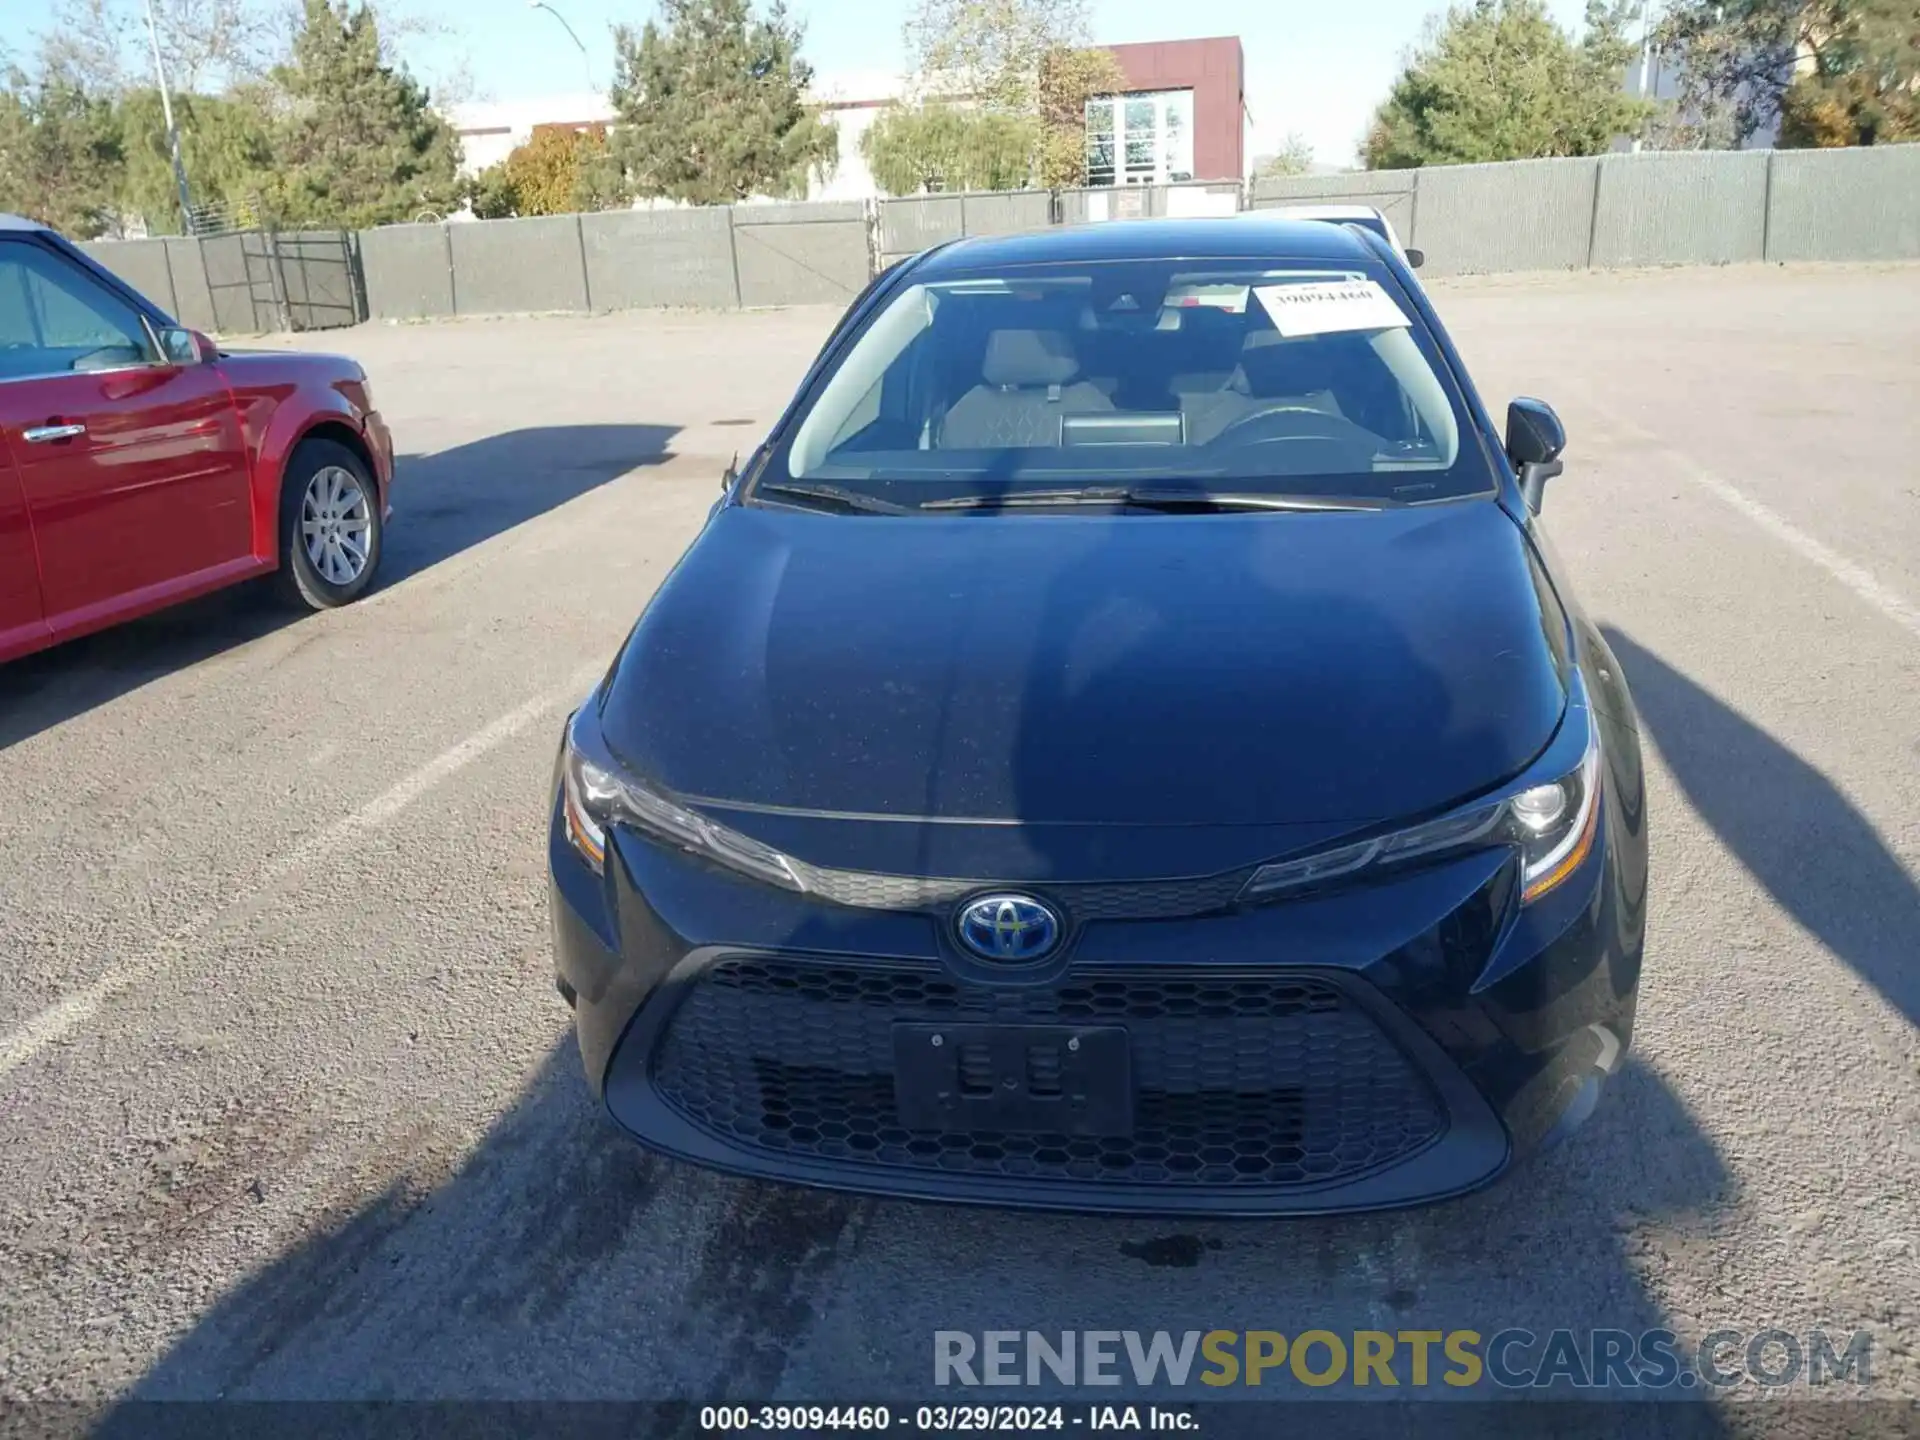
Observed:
{"x":1240,"y":1080}
{"x":1128,"y":900}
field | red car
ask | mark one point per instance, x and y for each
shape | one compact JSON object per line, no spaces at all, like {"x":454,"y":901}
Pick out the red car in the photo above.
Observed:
{"x":141,"y":466}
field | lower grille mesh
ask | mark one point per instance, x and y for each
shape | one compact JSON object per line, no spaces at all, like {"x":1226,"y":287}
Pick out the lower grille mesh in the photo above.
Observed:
{"x":1239,"y":1080}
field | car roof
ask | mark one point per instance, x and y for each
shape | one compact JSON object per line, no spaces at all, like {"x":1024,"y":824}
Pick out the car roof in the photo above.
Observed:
{"x":19,"y":222}
{"x":1330,"y":212}
{"x":1253,"y":233}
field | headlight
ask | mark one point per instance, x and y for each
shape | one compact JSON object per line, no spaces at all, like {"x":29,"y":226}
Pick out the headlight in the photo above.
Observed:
{"x":1551,"y":824}
{"x":596,"y":795}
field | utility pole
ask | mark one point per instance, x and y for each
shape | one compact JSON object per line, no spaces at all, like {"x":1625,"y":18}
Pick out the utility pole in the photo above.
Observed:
{"x":173,"y":135}
{"x":586,"y":60}
{"x":1646,"y":59}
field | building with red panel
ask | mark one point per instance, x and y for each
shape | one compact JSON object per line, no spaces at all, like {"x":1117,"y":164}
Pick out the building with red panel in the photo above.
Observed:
{"x":1181,"y":117}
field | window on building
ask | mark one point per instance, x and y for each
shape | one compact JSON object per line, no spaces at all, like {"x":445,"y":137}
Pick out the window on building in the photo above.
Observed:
{"x":1141,"y":139}
{"x":1100,"y":156}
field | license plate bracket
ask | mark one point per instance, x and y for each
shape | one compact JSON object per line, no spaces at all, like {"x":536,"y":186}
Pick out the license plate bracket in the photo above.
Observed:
{"x":1072,"y":1080}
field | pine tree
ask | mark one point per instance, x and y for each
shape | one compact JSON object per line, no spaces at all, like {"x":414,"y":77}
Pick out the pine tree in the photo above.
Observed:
{"x":226,"y":142}
{"x":712,"y":104}
{"x":60,"y":153}
{"x":358,"y":144}
{"x":1498,"y":80}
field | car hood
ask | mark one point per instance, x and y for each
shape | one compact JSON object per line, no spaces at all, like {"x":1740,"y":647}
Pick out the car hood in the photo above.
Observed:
{"x":1216,"y":688}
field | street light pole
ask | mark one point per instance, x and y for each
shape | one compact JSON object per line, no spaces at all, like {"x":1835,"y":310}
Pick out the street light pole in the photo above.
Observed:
{"x":1646,"y":59}
{"x":586,"y":60}
{"x":173,"y":135}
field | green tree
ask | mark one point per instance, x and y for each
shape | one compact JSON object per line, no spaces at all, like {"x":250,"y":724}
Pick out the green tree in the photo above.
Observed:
{"x":1031,"y":61}
{"x":1295,"y":157}
{"x":554,"y":173}
{"x":935,"y":146}
{"x":712,"y":104}
{"x":1498,"y":80}
{"x":600,"y":179}
{"x":357,"y":143}
{"x":1070,"y":76}
{"x":226,"y":142}
{"x":545,"y":171}
{"x":490,"y":194}
{"x":60,"y":151}
{"x":1832,"y":72}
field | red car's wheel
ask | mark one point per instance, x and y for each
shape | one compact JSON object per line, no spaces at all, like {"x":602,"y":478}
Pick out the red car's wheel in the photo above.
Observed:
{"x":330,"y":527}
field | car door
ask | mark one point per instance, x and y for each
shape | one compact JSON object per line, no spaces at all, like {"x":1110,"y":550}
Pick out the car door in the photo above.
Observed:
{"x":133,"y":468}
{"x":22,"y":621}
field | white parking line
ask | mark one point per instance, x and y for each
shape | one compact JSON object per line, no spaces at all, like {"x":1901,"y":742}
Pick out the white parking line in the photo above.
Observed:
{"x":68,"y":1014}
{"x":1857,"y":578}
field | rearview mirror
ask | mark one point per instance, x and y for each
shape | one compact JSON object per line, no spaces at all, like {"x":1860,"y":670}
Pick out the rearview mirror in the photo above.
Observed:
{"x":1415,"y":258}
{"x":1535,"y":438}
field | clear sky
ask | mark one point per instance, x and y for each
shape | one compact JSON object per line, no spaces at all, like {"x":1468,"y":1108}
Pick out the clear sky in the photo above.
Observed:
{"x":1317,"y":68}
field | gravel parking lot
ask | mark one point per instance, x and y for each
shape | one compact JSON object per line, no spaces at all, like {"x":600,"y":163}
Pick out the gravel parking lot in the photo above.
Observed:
{"x":290,"y":1109}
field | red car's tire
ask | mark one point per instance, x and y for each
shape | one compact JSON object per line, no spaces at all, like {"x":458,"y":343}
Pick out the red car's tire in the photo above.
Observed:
{"x":331,"y":529}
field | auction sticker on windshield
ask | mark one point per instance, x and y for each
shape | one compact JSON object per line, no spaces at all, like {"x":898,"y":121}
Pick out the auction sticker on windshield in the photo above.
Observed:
{"x":1322,"y":307}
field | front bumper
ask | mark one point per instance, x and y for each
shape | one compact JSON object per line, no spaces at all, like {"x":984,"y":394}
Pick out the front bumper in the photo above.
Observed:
{"x":380,"y":444}
{"x":1255,"y":1093}
{"x":1383,"y":1047}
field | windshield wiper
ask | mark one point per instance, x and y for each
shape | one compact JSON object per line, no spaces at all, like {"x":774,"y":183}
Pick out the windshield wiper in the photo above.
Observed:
{"x":836,"y":495}
{"x":1155,"y":498}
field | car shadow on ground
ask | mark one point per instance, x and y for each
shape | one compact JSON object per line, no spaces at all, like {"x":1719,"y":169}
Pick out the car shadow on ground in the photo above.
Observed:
{"x":444,"y":504}
{"x":561,"y":1262}
{"x":1787,"y":824}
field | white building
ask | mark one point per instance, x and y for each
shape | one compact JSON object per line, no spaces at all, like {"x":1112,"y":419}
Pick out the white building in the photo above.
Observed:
{"x":489,"y":131}
{"x":851,"y":103}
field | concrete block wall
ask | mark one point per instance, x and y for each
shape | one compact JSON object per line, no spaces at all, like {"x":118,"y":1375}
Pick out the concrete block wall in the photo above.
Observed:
{"x":1673,"y":208}
{"x":230,"y":284}
{"x":801,"y":254}
{"x":409,"y":270}
{"x":1523,"y":215}
{"x":723,"y":256}
{"x":1681,"y":208}
{"x":641,"y":258}
{"x":1388,"y":191}
{"x":1845,"y":204}
{"x":143,"y":264}
{"x":506,"y":267}
{"x":193,"y":298}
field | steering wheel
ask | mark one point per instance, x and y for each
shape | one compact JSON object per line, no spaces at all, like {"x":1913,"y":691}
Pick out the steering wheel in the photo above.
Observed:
{"x":1272,"y":423}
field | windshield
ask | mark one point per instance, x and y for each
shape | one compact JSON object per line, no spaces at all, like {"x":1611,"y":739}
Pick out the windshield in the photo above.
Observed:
{"x":1240,"y":375}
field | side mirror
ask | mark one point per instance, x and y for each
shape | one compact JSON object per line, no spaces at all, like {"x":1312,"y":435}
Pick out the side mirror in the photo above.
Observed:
{"x":1535,"y":438}
{"x":731,"y":474}
{"x":180,"y":346}
{"x":1415,"y":258}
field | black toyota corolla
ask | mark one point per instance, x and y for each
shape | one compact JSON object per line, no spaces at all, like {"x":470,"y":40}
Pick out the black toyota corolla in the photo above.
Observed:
{"x":1120,"y":743}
